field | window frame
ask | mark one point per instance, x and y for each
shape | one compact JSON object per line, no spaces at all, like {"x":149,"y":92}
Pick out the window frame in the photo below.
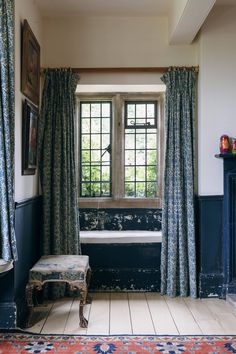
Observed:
{"x":118,"y":200}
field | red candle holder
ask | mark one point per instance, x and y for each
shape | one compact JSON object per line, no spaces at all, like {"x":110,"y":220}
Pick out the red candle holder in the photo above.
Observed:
{"x":224,"y":144}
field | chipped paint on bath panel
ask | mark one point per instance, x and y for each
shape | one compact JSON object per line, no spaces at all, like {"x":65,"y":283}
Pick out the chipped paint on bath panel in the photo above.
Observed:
{"x":120,"y":219}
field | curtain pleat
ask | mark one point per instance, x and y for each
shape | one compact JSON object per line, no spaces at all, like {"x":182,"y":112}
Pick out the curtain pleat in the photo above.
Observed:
{"x":8,"y":250}
{"x":57,"y":163}
{"x":178,"y":259}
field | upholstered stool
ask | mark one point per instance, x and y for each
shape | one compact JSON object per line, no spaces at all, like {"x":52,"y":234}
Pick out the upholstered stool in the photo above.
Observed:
{"x":73,"y":270}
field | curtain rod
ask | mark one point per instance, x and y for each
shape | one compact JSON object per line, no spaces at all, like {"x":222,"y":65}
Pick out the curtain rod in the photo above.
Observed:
{"x":160,"y":69}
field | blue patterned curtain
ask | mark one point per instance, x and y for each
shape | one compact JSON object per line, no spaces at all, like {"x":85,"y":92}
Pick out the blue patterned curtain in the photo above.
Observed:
{"x":56,"y":156}
{"x":8,"y":249}
{"x":178,"y":260}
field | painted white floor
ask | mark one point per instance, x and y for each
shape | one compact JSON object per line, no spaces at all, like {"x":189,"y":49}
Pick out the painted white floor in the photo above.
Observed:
{"x":136,"y":313}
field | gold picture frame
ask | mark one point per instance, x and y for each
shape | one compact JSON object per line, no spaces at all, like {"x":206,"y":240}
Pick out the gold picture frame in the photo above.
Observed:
{"x":29,"y":138}
{"x":30,"y":64}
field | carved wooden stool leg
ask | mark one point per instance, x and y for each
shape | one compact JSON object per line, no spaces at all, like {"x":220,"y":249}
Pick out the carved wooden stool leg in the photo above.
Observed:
{"x":83,"y":296}
{"x":88,"y":278}
{"x":29,"y":299}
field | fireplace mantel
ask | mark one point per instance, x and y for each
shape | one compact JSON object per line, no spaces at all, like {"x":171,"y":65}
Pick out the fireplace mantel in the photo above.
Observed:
{"x":225,"y":156}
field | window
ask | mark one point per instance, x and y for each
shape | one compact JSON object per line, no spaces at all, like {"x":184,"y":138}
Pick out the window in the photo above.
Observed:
{"x":141,"y":149}
{"x":120,"y":149}
{"x":95,"y":151}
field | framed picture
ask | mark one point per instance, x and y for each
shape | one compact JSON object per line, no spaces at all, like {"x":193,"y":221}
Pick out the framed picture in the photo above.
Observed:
{"x":29,"y":136}
{"x":30,"y":64}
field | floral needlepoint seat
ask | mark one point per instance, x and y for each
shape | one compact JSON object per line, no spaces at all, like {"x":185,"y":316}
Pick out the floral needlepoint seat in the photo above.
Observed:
{"x":73,"y":270}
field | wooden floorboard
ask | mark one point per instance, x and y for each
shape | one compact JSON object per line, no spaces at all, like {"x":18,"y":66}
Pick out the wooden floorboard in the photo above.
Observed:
{"x":120,"y":322}
{"x":136,"y":313}
{"x":57,"y":317}
{"x":140,"y":316}
{"x":161,"y":316}
{"x":182,"y":316}
{"x":99,"y":314}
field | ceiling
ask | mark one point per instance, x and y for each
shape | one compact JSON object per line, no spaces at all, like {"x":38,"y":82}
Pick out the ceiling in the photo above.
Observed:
{"x":129,"y":8}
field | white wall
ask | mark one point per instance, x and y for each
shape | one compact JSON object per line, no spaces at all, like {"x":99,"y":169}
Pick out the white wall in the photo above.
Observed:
{"x":112,"y":42}
{"x":217,"y":94}
{"x":25,"y":186}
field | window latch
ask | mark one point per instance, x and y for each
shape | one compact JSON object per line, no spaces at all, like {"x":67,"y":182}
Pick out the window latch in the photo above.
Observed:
{"x":107,"y":149}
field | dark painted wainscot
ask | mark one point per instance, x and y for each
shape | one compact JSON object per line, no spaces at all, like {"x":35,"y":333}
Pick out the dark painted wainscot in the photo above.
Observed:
{"x":210,"y":239}
{"x":12,"y":295}
{"x":217,"y":236}
{"x":123,"y":267}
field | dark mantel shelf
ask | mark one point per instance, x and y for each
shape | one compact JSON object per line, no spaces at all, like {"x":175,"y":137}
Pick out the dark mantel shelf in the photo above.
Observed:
{"x":226,"y":156}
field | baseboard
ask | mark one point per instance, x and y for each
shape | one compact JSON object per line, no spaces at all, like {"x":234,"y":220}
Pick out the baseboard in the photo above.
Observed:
{"x":22,"y":312}
{"x":8,"y":315}
{"x":211,"y":285}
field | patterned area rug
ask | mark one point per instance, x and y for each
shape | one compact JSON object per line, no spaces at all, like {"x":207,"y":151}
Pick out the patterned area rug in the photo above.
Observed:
{"x":11,"y":343}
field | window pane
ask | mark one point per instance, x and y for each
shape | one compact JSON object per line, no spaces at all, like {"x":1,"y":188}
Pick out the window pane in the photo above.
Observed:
{"x":86,"y":142}
{"x":151,"y":189}
{"x":140,"y":157}
{"x":95,"y":156}
{"x":129,"y":141}
{"x":95,"y":173}
{"x":86,"y":190}
{"x":85,"y":110}
{"x":105,"y":173}
{"x":151,"y":141}
{"x":105,"y":125}
{"x":131,"y":122}
{"x":85,"y":157}
{"x":140,"y":173}
{"x":85,"y":125}
{"x":105,"y":189}
{"x":129,"y":173}
{"x":131,"y":110}
{"x":140,"y":141}
{"x":86,"y":173}
{"x":151,"y":157}
{"x":140,"y":110}
{"x":130,"y":189}
{"x":95,"y":125}
{"x":95,"y":110}
{"x":105,"y":141}
{"x":151,"y":173}
{"x":129,"y":131}
{"x":106,"y":110}
{"x":150,"y":121}
{"x":106,"y":158}
{"x":95,"y":141}
{"x":129,"y":157}
{"x":95,"y":189}
{"x":140,"y":190}
{"x":150,"y":110}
